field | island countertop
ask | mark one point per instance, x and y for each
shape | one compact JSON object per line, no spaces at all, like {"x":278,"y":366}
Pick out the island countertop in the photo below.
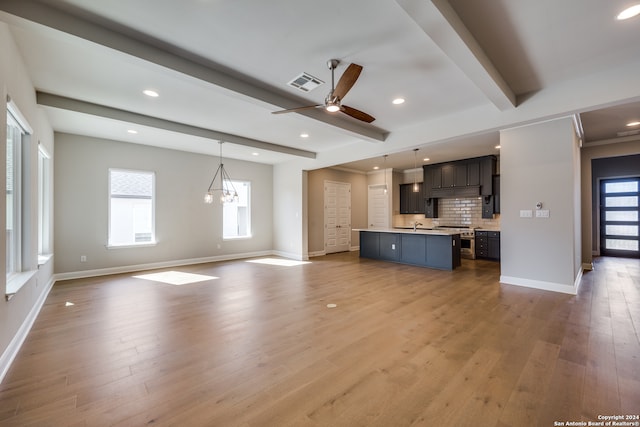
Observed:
{"x":437,"y":232}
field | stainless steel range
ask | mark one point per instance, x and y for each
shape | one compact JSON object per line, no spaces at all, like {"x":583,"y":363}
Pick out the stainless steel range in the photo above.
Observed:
{"x":467,"y":239}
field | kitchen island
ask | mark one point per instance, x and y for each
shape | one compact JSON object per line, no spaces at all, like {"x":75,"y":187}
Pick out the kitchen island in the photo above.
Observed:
{"x":438,"y":249}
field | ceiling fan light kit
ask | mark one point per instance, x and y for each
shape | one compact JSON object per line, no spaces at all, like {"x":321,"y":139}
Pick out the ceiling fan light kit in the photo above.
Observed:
{"x":333,"y":101}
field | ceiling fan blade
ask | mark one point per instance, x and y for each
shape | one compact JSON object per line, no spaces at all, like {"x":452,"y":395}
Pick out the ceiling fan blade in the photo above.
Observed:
{"x":292,"y":110}
{"x":347,"y":80}
{"x":357,"y":114}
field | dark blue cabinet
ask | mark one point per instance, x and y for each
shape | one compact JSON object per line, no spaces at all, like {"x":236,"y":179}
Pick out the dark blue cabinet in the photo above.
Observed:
{"x":423,"y":249}
{"x":370,"y":245}
{"x":389,"y":246}
{"x":414,"y":249}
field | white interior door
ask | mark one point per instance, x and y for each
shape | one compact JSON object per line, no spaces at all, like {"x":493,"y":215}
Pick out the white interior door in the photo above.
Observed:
{"x":337,"y":216}
{"x":378,"y":213}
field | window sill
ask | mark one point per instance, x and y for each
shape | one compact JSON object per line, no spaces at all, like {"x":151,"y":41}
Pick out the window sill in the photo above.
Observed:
{"x":44,"y":258}
{"x":17,"y":282}
{"x":237,"y":238}
{"x":137,"y":245}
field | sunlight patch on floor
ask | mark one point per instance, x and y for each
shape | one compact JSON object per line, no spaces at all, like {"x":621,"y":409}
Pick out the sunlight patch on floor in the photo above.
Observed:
{"x":279,"y":261}
{"x":177,"y":278}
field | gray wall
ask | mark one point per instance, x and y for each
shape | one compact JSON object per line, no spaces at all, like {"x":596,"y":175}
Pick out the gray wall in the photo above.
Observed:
{"x":186,"y":228}
{"x":541,"y":163}
{"x":17,"y":314}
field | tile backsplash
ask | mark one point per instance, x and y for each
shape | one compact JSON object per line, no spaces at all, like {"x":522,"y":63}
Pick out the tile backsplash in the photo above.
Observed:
{"x":460,"y":211}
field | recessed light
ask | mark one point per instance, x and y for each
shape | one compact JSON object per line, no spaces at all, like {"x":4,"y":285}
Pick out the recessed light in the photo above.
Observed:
{"x":255,"y":154}
{"x":132,"y":131}
{"x":426,"y":159}
{"x":304,"y":135}
{"x":398,"y":101}
{"x":497,"y":147}
{"x":629,"y":12}
{"x":630,"y":124}
{"x":375,"y":168}
{"x":151,"y":93}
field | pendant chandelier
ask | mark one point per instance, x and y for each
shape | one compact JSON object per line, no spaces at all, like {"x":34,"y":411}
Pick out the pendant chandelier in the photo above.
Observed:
{"x":228,"y":193}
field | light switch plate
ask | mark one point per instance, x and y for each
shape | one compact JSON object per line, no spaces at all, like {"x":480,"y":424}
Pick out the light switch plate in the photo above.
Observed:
{"x":543,"y":213}
{"x":527,"y":213}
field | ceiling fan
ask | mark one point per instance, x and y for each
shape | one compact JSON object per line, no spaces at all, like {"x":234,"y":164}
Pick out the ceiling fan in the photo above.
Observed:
{"x":333,"y":101}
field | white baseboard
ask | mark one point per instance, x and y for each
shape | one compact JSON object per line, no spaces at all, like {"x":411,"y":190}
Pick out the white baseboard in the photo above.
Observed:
{"x":587,"y":266}
{"x":323,"y":253}
{"x":13,"y":348}
{"x":539,"y":284}
{"x":150,"y":266}
{"x":290,"y":255}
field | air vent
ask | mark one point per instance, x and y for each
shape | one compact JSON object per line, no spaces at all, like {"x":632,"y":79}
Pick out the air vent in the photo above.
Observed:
{"x":305,"y":82}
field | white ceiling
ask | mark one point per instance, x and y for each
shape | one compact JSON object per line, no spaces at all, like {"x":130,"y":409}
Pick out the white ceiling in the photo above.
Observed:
{"x":222,"y":66}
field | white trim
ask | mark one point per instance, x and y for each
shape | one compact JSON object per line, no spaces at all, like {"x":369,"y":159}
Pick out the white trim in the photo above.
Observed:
{"x":42,"y":150}
{"x":17,"y":281}
{"x":317,"y":253}
{"x":14,"y":346}
{"x":588,"y":266}
{"x":19,"y":117}
{"x":297,"y":257}
{"x":132,"y":245}
{"x":153,"y":265}
{"x":545,"y":286}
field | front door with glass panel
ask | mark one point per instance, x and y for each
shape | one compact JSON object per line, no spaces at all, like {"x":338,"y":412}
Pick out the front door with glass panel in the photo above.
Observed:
{"x":619,"y":219}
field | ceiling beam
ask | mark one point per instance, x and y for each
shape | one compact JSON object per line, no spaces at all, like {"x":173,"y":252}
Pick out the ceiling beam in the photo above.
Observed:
{"x":443,"y":25}
{"x":81,"y":24}
{"x":56,"y":101}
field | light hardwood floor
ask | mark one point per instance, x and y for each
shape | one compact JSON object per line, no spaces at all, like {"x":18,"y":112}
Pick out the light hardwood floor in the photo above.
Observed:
{"x":258,"y":346}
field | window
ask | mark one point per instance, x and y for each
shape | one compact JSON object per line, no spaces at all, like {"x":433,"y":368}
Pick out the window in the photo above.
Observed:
{"x":44,"y":198}
{"x":131,"y":208}
{"x":18,"y":131}
{"x":236,"y":216}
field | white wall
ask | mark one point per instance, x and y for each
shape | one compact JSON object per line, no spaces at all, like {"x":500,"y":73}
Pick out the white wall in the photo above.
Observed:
{"x":541,"y":163}
{"x":290,"y":211}
{"x":17,"y":314}
{"x":187,"y":229}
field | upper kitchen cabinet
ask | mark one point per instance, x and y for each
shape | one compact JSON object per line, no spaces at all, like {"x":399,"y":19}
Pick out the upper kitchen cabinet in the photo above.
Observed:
{"x":463,"y":178}
{"x":411,"y":202}
{"x":473,"y":172}
{"x":487,"y":171}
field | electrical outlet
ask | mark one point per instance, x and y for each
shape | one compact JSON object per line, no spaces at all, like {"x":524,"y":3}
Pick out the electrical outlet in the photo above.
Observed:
{"x":83,"y":258}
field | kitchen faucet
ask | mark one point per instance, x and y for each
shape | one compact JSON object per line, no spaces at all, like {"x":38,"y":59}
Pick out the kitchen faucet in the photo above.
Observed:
{"x":415,"y":225}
